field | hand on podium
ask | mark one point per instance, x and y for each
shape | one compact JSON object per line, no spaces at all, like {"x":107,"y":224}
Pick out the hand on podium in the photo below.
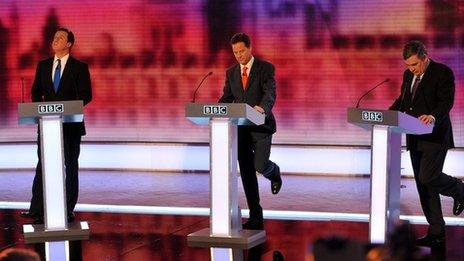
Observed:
{"x":259,"y":109}
{"x":427,"y":119}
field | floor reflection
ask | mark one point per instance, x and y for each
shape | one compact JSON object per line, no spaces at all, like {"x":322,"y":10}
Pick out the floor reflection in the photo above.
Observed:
{"x":75,"y":250}
{"x":164,"y":237}
{"x":237,"y":254}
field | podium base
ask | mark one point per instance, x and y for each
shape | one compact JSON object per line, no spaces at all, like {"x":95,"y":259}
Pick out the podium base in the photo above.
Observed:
{"x":38,"y":234}
{"x":243,"y":239}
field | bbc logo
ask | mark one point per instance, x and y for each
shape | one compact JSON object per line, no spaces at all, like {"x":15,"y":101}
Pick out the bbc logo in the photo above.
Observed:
{"x":372,"y":116}
{"x":214,"y":110}
{"x":50,"y":108}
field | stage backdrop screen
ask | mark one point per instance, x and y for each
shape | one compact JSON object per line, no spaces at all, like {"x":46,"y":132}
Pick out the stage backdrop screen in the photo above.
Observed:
{"x":146,"y":57}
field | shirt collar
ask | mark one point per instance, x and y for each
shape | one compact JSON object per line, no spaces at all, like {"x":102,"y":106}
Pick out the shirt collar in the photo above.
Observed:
{"x":63,"y":59}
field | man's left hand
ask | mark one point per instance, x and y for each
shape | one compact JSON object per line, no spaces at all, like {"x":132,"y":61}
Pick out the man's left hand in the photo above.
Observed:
{"x":259,"y":109}
{"x":427,"y":119}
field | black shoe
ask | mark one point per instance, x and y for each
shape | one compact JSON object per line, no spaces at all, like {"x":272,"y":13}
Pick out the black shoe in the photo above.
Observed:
{"x":28,"y":214}
{"x":430,"y":240}
{"x":71,"y":216}
{"x":253,"y":225}
{"x":276,"y":182}
{"x":458,"y":207}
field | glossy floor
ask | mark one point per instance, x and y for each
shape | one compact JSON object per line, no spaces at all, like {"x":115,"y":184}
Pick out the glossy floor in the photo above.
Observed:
{"x":163,"y":237}
{"x":342,"y":194}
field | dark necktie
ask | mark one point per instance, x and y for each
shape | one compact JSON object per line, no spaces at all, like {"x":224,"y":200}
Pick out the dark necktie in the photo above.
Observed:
{"x":244,"y":77}
{"x":415,"y":85}
{"x":57,"y":76}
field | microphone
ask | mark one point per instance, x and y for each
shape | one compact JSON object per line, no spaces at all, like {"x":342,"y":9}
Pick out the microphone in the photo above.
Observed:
{"x":366,"y":93}
{"x":22,"y":89}
{"x":198,"y":87}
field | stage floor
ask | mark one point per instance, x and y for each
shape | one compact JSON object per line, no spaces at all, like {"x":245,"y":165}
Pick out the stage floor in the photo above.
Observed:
{"x":338,"y":194}
{"x":164,"y":237}
{"x":117,"y":236}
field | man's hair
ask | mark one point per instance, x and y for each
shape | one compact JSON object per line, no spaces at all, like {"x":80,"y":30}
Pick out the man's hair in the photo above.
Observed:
{"x":414,"y":47}
{"x":16,"y":254}
{"x":71,"y":38}
{"x":337,"y":248}
{"x":241,"y":37}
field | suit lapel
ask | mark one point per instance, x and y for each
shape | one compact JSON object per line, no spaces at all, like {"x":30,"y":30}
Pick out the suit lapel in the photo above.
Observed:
{"x":66,"y":72}
{"x":419,"y":88}
{"x":423,"y":81}
{"x":252,"y":75}
{"x":238,"y":78}
{"x":48,"y":74}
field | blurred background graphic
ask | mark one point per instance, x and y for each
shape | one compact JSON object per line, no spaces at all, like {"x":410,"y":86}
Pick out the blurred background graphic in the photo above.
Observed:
{"x":147,"y":56}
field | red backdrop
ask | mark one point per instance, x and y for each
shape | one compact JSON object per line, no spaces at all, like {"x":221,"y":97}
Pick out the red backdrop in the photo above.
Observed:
{"x":146,"y":58}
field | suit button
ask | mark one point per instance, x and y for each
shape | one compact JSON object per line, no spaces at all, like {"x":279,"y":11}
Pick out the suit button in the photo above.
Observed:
{"x":410,"y":108}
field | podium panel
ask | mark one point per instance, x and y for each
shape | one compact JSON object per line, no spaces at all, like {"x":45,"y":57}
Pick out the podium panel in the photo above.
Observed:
{"x":386,"y":127}
{"x":237,"y":113}
{"x":69,"y":111}
{"x":225,"y":219}
{"x":397,"y":121}
{"x":56,"y":231}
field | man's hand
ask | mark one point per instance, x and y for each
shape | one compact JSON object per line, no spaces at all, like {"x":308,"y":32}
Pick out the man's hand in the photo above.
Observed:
{"x":259,"y":109}
{"x":427,"y":119}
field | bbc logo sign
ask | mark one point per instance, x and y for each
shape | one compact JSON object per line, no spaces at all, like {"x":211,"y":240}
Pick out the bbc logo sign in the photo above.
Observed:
{"x":372,"y":116}
{"x":50,"y":108}
{"x":214,"y":110}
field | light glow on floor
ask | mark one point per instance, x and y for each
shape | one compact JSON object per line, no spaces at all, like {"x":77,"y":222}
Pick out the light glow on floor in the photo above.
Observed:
{"x":268,"y":214}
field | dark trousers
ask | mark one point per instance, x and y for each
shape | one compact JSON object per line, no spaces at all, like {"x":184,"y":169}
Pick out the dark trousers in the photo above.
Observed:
{"x":71,"y":143}
{"x":431,"y":182}
{"x":254,"y":150}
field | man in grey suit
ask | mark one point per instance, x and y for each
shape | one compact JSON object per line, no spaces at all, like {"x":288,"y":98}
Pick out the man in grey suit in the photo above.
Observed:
{"x":428,"y":94}
{"x":252,"y":81}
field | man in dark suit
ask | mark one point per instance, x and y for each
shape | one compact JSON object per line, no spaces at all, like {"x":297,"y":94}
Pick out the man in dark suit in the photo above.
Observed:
{"x":427,"y":93}
{"x":252,"y":81}
{"x":61,"y":78}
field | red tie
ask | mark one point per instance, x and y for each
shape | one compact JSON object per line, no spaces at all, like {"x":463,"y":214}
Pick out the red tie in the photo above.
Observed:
{"x":244,"y":77}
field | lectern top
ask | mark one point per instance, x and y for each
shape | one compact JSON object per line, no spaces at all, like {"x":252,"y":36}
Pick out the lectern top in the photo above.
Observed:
{"x":239,"y":113}
{"x":398,"y":121}
{"x":70,"y":111}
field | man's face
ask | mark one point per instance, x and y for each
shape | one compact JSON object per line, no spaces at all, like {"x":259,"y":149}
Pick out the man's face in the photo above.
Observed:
{"x":241,"y":52}
{"x":60,"y":42}
{"x":416,"y":65}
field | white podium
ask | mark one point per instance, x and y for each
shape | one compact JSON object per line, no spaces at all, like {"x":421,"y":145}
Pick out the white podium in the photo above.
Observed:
{"x":225,"y":219}
{"x":386,"y":127}
{"x":56,"y":231}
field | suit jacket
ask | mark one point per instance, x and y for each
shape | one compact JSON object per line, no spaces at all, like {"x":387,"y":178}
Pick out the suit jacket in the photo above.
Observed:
{"x":434,"y":96}
{"x":260,"y":90}
{"x":75,"y":84}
